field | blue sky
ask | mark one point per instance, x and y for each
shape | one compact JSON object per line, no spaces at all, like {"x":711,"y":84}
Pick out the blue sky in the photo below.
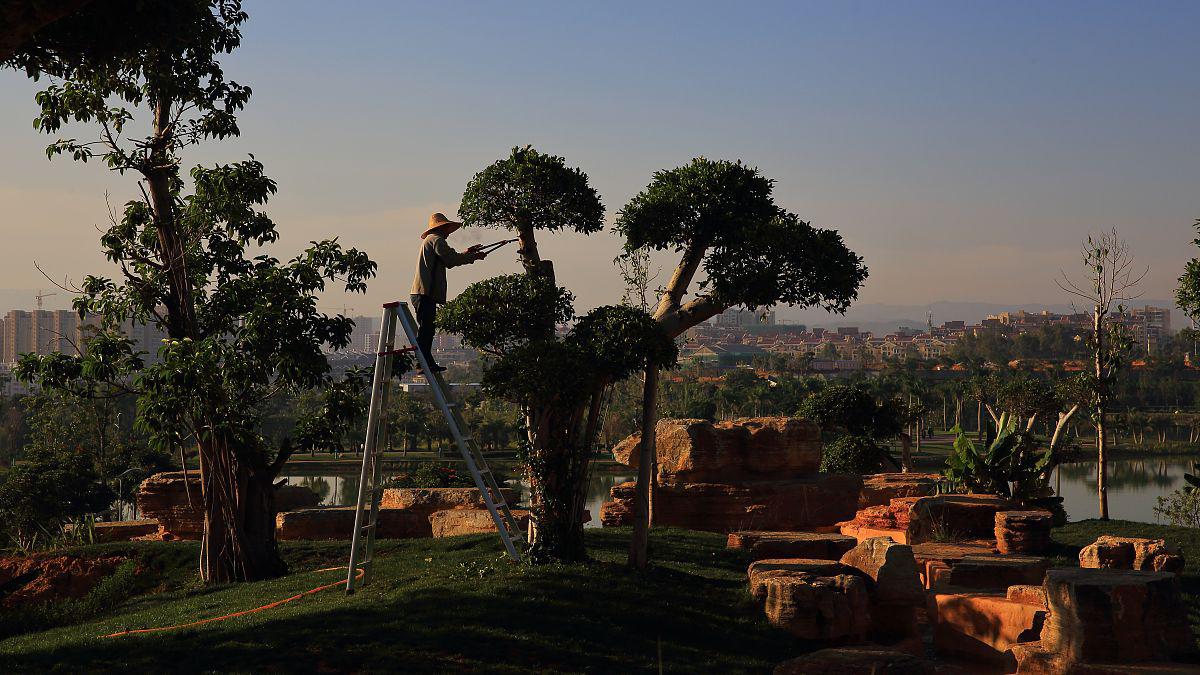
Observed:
{"x":964,"y":149}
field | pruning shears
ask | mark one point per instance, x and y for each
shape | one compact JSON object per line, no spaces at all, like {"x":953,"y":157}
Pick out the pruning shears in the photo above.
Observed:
{"x":488,"y":248}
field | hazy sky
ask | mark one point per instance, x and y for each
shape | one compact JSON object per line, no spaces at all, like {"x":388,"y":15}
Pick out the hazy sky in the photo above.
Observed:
{"x":962,"y":148}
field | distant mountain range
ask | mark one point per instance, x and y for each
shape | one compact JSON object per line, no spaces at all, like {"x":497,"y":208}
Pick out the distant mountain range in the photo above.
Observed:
{"x":883,"y":318}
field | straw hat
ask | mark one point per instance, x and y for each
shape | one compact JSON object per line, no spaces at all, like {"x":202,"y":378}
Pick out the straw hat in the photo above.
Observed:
{"x":437,"y":222}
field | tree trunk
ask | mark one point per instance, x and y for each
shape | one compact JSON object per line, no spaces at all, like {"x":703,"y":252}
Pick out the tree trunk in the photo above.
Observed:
{"x":1101,"y":412}
{"x":557,"y":467}
{"x":979,"y":420}
{"x":239,"y":519}
{"x":638,"y":545}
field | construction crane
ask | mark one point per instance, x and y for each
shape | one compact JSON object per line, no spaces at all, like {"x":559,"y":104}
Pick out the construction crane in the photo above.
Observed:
{"x":40,"y":296}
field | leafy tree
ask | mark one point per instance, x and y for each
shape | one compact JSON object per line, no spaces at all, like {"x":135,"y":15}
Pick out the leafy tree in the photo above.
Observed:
{"x":242,"y":326}
{"x":1187,"y":294}
{"x":720,"y":217}
{"x":1109,"y":280}
{"x":558,"y":382}
{"x":39,"y":497}
{"x":851,"y":412}
{"x":851,"y":453}
{"x":21,"y":19}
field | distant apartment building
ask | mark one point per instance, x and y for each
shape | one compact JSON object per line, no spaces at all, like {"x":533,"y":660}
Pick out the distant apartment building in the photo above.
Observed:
{"x":62,"y":332}
{"x":745,"y":317}
{"x":1147,"y":325}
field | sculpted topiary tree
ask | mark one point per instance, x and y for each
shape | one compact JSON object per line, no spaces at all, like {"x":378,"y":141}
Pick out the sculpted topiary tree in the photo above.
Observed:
{"x":720,"y":218}
{"x":558,"y":382}
{"x":242,"y":326}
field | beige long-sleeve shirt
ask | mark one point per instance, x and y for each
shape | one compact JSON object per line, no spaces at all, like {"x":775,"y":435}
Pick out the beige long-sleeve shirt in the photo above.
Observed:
{"x":435,"y":256}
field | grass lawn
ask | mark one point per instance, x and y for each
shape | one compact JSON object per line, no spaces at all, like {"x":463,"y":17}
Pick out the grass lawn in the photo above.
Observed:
{"x":434,"y":605}
{"x":1074,"y":536}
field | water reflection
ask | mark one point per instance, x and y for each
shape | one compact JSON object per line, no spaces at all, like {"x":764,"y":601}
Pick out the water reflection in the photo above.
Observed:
{"x":341,"y":489}
{"x":1134,"y":486}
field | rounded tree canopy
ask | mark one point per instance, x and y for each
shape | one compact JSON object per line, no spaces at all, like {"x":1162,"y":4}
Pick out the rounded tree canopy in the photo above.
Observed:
{"x":755,"y":254}
{"x":530,"y":189}
{"x":704,"y":202}
{"x":501,"y":313}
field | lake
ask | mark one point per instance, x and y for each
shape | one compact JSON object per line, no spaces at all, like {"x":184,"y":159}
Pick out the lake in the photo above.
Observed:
{"x":1133,"y":487}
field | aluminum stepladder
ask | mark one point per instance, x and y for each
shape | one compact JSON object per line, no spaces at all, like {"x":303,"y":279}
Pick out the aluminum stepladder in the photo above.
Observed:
{"x":370,"y":483}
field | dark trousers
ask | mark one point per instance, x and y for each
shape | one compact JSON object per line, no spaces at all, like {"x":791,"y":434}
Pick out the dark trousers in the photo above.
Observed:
{"x":426,"y":310}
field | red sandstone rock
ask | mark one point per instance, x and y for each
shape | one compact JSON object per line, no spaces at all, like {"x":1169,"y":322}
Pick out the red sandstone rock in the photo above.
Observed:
{"x":819,"y":545}
{"x":981,"y":625}
{"x":915,"y":520}
{"x":426,"y":501}
{"x":37,"y":579}
{"x":176,"y":504}
{"x":337,"y":523}
{"x":456,"y":522}
{"x":1131,"y":553}
{"x":892,"y":567}
{"x":1113,"y":616}
{"x":856,"y":661}
{"x":761,"y":570}
{"x":881,"y":488}
{"x":819,"y":608}
{"x":1023,"y":531}
{"x":800,"y":504}
{"x":124,"y":530}
{"x":1034,"y":596}
{"x":992,"y":571}
{"x":748,"y":449}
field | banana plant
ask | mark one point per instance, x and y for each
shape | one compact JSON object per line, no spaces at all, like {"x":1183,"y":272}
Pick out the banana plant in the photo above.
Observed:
{"x":1013,"y":465}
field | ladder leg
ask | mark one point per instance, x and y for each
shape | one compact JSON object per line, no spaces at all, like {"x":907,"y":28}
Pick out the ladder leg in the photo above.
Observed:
{"x":369,"y":470}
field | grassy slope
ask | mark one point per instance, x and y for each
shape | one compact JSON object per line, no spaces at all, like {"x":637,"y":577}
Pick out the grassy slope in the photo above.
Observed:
{"x":1074,"y":536}
{"x":436,"y":605}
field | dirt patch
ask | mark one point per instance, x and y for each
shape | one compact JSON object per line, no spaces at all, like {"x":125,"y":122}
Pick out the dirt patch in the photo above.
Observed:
{"x":37,"y":579}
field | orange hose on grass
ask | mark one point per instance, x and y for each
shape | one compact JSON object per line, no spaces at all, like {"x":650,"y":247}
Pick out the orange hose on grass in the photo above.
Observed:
{"x":234,"y":615}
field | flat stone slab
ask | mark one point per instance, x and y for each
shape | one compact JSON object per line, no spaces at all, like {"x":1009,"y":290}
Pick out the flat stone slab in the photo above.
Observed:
{"x":774,"y":544}
{"x":761,"y":570}
{"x":978,"y":571}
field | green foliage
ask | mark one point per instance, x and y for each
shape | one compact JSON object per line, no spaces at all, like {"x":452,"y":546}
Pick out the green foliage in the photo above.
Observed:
{"x":1013,"y":464}
{"x":1187,"y":294}
{"x":530,"y":189}
{"x":342,"y":405}
{"x":38,"y":498}
{"x":853,"y":454}
{"x":502,"y":313}
{"x":852,"y":410}
{"x":1180,"y":508}
{"x":432,"y":476}
{"x":754,"y":254}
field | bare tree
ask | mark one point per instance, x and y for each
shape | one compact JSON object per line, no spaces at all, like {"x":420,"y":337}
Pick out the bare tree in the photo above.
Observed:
{"x":1109,"y":280}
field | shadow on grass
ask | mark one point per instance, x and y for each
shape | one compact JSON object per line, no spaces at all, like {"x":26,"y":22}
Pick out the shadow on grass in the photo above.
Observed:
{"x":440,"y":605}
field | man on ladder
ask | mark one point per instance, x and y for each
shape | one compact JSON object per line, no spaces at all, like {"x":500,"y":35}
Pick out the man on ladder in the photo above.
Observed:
{"x":429,"y":283}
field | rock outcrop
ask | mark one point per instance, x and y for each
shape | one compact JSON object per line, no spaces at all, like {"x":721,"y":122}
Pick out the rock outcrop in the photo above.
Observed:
{"x":819,"y":608}
{"x":124,"y":530}
{"x":1131,"y":553}
{"x":1108,"y":616}
{"x":424,"y":503}
{"x":805,"y":503}
{"x":176,"y":503}
{"x":1023,"y":531}
{"x":816,"y":545}
{"x":337,"y":523}
{"x":748,"y":449}
{"x":915,"y":520}
{"x":856,"y":661}
{"x":895,"y":586}
{"x":881,"y":488}
{"x":37,"y":579}
{"x":455,"y":522}
{"x":994,"y":572}
{"x":762,"y":570}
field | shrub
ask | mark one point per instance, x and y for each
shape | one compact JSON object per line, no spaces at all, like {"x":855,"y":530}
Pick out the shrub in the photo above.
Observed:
{"x":1180,"y":508}
{"x":432,"y":476}
{"x":853,"y":454}
{"x":37,"y":499}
